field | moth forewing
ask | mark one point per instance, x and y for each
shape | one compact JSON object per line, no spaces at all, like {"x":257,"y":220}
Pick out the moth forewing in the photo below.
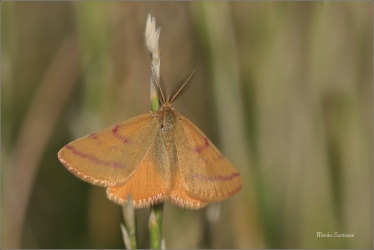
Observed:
{"x":111,"y":155}
{"x":207,"y":175}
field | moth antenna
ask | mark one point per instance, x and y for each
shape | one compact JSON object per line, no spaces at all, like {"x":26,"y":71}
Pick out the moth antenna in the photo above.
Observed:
{"x":181,"y":86}
{"x":160,"y":85}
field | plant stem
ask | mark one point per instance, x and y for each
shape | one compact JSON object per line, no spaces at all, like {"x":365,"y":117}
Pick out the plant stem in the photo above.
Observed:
{"x":129,"y":229}
{"x":151,"y":37}
{"x":155,"y":226}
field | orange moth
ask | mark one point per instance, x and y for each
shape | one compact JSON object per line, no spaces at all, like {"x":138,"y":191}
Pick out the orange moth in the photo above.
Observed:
{"x":154,"y":157}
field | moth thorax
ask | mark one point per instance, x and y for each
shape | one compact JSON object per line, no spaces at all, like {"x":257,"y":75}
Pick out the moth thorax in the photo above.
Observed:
{"x":167,"y":121}
{"x":167,"y":126}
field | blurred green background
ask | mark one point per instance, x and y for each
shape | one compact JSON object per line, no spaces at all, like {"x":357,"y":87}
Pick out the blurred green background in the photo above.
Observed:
{"x":284,"y":89}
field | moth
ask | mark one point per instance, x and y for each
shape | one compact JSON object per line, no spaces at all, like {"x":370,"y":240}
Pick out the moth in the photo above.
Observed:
{"x":154,"y":157}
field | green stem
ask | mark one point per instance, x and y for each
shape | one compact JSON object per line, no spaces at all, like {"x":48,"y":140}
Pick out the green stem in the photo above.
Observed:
{"x":129,"y":229}
{"x":155,"y":218}
{"x":155,"y":105}
{"x":156,"y":215}
{"x":155,"y":226}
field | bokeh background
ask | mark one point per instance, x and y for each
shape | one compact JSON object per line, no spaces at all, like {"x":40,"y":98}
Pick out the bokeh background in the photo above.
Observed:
{"x":284,"y":89}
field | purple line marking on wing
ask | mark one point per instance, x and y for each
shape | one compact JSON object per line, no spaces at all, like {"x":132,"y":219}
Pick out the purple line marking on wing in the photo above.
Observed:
{"x":215,"y":178}
{"x":94,"y":159}
{"x":119,"y":136}
{"x":93,"y":136}
{"x":220,"y":157}
{"x":113,"y":148}
{"x":203,"y":147}
{"x":235,"y":190}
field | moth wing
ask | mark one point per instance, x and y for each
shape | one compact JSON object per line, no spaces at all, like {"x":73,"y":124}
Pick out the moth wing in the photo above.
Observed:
{"x":150,"y":183}
{"x":153,"y":181}
{"x":111,"y":155}
{"x":207,"y":175}
{"x":180,"y":197}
